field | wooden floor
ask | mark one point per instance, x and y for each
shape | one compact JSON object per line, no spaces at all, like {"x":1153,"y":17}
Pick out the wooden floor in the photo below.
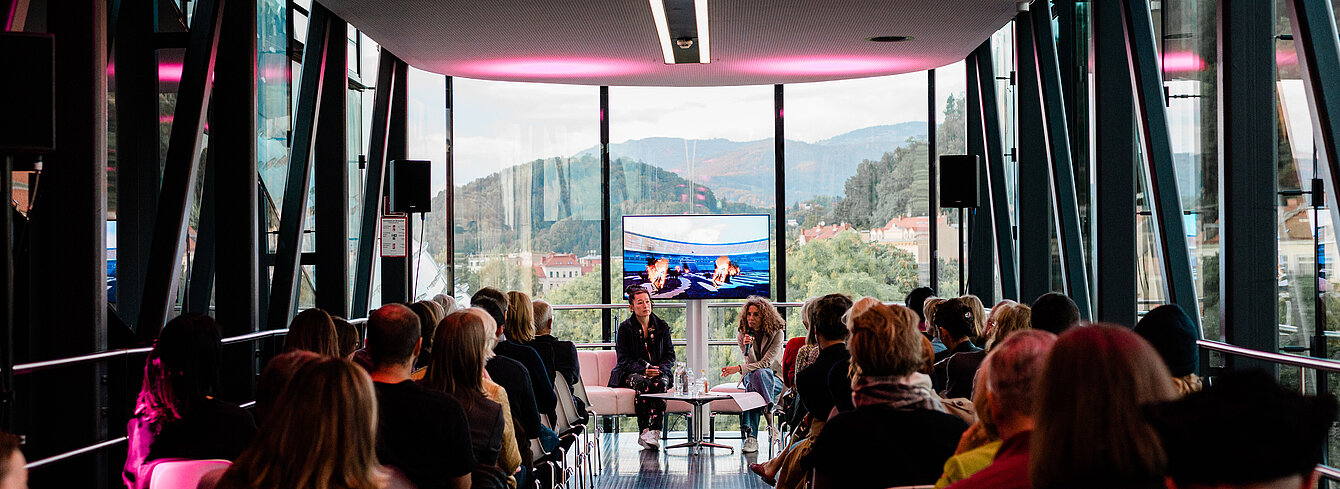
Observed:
{"x":627,"y":465}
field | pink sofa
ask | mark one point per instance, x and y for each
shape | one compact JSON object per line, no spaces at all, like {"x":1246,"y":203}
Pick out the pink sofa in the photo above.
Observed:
{"x":618,"y":401}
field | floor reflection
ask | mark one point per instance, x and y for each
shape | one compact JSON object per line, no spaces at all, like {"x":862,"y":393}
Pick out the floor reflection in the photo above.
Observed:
{"x":627,"y":465}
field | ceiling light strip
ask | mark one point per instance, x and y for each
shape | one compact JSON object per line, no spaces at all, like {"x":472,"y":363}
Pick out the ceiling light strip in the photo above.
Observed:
{"x":700,"y":14}
{"x":662,"y":30}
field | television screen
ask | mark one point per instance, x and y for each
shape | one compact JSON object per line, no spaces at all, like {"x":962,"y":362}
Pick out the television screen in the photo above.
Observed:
{"x":697,"y":257}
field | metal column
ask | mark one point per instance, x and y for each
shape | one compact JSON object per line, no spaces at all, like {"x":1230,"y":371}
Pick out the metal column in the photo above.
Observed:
{"x":1065,"y":204}
{"x":1166,"y":201}
{"x":997,"y":198}
{"x":373,"y":190}
{"x":331,"y":169}
{"x":137,"y":141}
{"x":1115,"y":164}
{"x":237,"y":270}
{"x":981,"y":268}
{"x":606,"y":280}
{"x":779,"y":190}
{"x":932,"y":202}
{"x":180,"y":171}
{"x":1035,"y":227}
{"x":293,"y":210}
{"x":396,"y":271}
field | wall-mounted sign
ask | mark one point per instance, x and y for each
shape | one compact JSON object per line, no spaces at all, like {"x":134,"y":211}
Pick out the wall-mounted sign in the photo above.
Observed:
{"x":395,"y":236}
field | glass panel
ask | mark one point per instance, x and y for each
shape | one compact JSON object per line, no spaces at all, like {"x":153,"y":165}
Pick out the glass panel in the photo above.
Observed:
{"x":428,"y":141}
{"x":527,"y":196}
{"x":951,"y":138}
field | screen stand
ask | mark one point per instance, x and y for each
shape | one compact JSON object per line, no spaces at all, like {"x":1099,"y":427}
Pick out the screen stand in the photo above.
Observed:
{"x":695,"y":321}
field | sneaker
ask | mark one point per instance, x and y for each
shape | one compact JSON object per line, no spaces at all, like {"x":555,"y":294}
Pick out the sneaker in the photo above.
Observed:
{"x":649,"y":439}
{"x":750,"y":445}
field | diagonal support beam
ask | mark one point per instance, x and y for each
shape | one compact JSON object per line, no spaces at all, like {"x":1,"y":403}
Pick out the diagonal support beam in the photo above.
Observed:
{"x":284,"y":288}
{"x":201,"y":283}
{"x":373,"y":189}
{"x":981,"y":271}
{"x":180,"y":171}
{"x":1065,"y":203}
{"x":1034,"y":211}
{"x":332,"y":182}
{"x":995,"y":172}
{"x":1115,"y":164}
{"x":1143,"y":58}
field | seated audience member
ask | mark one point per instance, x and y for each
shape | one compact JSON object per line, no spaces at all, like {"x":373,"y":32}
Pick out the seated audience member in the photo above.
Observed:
{"x":978,"y":445}
{"x":932,"y":332}
{"x":1174,"y":336}
{"x":644,"y":359}
{"x":978,"y":335}
{"x":803,"y":358}
{"x":420,"y":431}
{"x":275,"y":378}
{"x":313,"y":330}
{"x":1089,"y":430}
{"x":559,"y":355}
{"x":542,"y":389}
{"x":427,"y":316}
{"x":350,"y":340}
{"x":1272,"y":437}
{"x":1012,"y":372}
{"x":759,"y":334}
{"x":1006,"y":318}
{"x":13,"y":470}
{"x":447,"y":302}
{"x":323,"y":435}
{"x":857,"y":449}
{"x":511,"y":375}
{"x":815,"y":392}
{"x":457,"y":368}
{"x":519,"y":329}
{"x":175,"y":417}
{"x":1054,"y":313}
{"x":916,"y":301}
{"x":954,"y":320}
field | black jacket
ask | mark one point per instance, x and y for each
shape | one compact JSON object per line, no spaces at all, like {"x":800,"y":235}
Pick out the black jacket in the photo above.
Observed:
{"x":813,"y":382}
{"x":514,"y":379}
{"x":634,"y":354}
{"x":560,"y":356}
{"x":540,"y":383}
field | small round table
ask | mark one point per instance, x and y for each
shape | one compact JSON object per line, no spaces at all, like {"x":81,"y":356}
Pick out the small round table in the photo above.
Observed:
{"x":698,"y":412}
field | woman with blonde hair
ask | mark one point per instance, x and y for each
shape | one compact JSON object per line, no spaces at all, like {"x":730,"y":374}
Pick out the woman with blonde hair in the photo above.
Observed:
{"x":960,"y":369}
{"x":1090,"y":430}
{"x":978,"y":335}
{"x":932,"y":332}
{"x":893,"y":402}
{"x":323,"y":435}
{"x":760,"y":334}
{"x":520,"y":323}
{"x":457,"y":368}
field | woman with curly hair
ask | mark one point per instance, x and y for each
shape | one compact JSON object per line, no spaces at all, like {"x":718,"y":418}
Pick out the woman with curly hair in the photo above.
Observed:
{"x":760,"y":335}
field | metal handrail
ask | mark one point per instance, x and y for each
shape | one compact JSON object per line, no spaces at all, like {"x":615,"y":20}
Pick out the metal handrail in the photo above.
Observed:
{"x":1293,"y":360}
{"x":668,"y":305}
{"x":25,"y":368}
{"x":76,"y":453}
{"x":1328,"y":472}
{"x":676,"y":342}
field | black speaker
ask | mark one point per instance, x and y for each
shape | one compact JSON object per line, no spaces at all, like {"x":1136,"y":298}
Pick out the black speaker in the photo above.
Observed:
{"x":958,"y":181}
{"x":27,"y":92}
{"x":410,"y":181}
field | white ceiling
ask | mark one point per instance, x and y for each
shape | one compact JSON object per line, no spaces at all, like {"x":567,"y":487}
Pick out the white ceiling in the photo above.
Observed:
{"x":614,"y":42}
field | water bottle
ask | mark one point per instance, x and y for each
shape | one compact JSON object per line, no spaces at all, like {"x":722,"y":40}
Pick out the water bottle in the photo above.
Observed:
{"x":702,"y":376}
{"x":681,"y":379}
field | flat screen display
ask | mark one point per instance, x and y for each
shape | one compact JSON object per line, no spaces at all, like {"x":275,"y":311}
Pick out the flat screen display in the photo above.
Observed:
{"x":697,"y":257}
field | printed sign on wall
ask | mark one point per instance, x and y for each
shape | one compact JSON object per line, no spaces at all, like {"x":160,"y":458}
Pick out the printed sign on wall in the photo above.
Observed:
{"x":395,"y":236}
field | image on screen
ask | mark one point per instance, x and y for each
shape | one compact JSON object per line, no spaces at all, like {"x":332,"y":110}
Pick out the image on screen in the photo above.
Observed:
{"x":697,"y":257}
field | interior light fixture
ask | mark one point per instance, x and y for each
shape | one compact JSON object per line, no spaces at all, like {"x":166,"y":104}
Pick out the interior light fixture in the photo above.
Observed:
{"x":889,"y":38}
{"x":681,"y":28}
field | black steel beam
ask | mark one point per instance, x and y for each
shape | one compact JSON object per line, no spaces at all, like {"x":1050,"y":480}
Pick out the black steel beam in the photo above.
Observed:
{"x":7,"y":397}
{"x":1248,"y":234}
{"x":1065,"y":202}
{"x":68,"y":260}
{"x":332,"y":179}
{"x":451,"y":191}
{"x":237,"y":271}
{"x":397,"y":271}
{"x":137,"y":141}
{"x":284,"y":285}
{"x":180,"y":171}
{"x":981,"y":268}
{"x":200,"y":285}
{"x":373,"y":190}
{"x":932,"y":202}
{"x":995,"y":170}
{"x":779,"y":188}
{"x":1115,"y":164}
{"x":606,"y":229}
{"x":1035,"y":210}
{"x":1143,"y":58}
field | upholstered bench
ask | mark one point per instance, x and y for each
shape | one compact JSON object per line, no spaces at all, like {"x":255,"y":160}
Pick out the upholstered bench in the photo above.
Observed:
{"x":618,"y":401}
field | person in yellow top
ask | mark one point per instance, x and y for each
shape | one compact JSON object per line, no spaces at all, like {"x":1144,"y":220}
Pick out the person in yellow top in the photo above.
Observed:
{"x":978,"y":446}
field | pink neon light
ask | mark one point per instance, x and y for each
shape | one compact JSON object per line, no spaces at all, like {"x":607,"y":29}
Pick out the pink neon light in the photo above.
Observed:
{"x":824,"y":65}
{"x":1182,"y":61}
{"x":552,"y":67}
{"x":169,"y":72}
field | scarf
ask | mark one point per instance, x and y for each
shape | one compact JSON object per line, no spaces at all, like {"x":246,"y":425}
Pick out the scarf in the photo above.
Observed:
{"x":898,"y":392}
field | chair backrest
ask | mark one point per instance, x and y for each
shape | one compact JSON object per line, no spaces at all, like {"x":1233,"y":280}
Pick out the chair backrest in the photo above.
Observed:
{"x":579,"y":390}
{"x":568,"y":414}
{"x":178,"y":474}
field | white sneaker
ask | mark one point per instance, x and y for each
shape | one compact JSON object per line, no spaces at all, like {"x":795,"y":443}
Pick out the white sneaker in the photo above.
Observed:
{"x":651,"y":440}
{"x":750,"y":445}
{"x":642,"y":439}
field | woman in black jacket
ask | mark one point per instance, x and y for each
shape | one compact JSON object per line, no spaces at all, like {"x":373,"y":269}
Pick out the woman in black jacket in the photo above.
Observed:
{"x":645,"y":362}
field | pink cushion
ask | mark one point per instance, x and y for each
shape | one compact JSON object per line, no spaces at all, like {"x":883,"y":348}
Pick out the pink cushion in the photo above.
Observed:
{"x":605,"y":361}
{"x":611,"y":401}
{"x":177,"y":474}
{"x":590,"y":369}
